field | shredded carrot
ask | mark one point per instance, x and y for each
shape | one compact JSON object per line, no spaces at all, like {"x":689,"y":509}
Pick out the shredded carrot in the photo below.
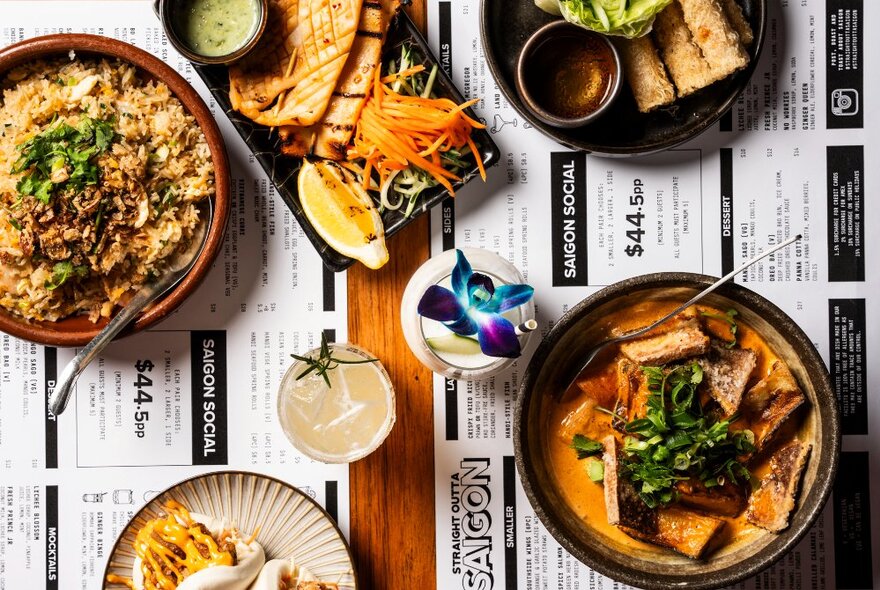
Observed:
{"x":396,"y":131}
{"x":402,"y":74}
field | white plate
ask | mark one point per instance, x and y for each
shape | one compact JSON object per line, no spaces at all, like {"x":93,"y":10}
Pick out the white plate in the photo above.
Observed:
{"x":290,"y":523}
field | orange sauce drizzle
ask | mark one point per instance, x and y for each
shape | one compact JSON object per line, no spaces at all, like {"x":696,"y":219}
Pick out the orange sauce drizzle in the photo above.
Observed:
{"x":122,"y":580}
{"x":253,"y":537}
{"x":176,"y":528}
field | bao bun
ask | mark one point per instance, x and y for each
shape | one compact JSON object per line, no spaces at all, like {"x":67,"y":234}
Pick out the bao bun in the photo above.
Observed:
{"x":250,"y":558}
{"x":281,"y":571}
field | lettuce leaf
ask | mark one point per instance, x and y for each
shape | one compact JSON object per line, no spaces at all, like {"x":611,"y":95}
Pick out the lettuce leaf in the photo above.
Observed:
{"x":626,"y":18}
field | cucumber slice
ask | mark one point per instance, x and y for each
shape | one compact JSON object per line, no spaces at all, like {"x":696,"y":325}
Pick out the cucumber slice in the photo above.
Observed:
{"x":454,"y":343}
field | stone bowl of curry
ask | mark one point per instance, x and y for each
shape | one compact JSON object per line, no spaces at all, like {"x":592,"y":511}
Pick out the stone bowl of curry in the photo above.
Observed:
{"x":693,"y":457}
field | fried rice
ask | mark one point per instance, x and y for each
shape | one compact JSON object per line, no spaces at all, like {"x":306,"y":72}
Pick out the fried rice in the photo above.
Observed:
{"x":87,"y":248}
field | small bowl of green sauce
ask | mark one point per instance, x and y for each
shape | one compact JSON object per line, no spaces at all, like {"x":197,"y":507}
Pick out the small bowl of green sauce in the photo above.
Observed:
{"x":213,"y":31}
{"x":568,"y":76}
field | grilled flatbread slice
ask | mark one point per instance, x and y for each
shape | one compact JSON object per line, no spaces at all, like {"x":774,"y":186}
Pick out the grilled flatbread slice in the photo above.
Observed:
{"x":329,"y":137}
{"x":289,"y":78}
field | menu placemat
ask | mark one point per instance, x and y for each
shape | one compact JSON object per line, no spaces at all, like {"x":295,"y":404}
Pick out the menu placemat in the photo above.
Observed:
{"x":196,"y":393}
{"x":789,"y":158}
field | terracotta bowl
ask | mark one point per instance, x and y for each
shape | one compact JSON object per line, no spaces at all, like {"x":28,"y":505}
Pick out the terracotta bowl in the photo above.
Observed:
{"x":78,"y":330}
{"x":557,"y":361}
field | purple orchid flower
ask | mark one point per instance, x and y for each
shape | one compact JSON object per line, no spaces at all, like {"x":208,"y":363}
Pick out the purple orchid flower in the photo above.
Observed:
{"x":474,"y":306}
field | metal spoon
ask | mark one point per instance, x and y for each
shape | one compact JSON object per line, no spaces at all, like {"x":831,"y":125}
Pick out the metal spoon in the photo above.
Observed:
{"x":594,"y":352}
{"x":177,"y":268}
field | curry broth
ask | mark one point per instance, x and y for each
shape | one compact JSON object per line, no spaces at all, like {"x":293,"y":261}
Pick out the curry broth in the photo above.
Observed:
{"x":576,"y":414}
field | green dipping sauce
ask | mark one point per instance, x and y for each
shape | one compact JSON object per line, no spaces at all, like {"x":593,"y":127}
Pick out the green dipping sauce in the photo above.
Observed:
{"x":216,"y":27}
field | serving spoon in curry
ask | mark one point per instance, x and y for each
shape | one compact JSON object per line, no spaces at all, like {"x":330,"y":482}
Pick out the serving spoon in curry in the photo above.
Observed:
{"x":594,"y":352}
{"x":178,"y":266}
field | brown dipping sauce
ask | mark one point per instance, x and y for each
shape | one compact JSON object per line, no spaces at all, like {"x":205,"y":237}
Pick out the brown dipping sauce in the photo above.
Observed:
{"x":571,"y":75}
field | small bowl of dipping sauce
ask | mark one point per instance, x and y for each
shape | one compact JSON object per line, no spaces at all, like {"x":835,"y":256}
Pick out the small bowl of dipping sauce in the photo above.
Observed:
{"x":568,"y":76}
{"x":213,"y":31}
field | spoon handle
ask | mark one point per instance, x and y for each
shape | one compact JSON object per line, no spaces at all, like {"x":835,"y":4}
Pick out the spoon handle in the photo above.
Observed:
{"x":716,"y":284}
{"x":64,"y":387}
{"x":594,"y":352}
{"x":711,"y":287}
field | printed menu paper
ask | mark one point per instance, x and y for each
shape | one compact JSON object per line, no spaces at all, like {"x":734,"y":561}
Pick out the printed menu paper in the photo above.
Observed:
{"x":196,"y":393}
{"x":790,"y":158}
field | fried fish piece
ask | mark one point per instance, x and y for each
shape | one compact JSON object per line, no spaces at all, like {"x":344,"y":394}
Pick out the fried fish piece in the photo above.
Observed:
{"x":689,"y":533}
{"x":713,"y":34}
{"x":329,"y":137}
{"x":727,"y":499}
{"x":682,"y":337}
{"x":645,"y":73}
{"x":632,"y":393}
{"x":623,"y":506}
{"x":726,"y":372}
{"x":771,"y":504}
{"x":289,"y":77}
{"x":770,"y":402}
{"x":683,"y":59}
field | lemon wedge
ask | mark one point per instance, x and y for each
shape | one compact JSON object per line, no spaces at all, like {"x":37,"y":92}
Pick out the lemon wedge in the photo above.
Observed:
{"x":342,"y":212}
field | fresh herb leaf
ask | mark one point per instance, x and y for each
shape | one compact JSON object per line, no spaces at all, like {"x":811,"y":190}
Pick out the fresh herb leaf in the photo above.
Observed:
{"x":15,"y":223}
{"x":62,"y":158}
{"x":325,"y":362}
{"x":585,"y":447}
{"x":678,"y":439}
{"x":167,"y":198}
{"x":728,"y":318}
{"x":60,"y":273}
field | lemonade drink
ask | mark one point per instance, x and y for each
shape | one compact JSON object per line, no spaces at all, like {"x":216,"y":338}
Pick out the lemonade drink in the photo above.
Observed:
{"x":343,"y":422}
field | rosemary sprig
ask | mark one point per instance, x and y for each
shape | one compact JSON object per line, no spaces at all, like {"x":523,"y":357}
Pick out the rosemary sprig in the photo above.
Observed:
{"x":325,"y":362}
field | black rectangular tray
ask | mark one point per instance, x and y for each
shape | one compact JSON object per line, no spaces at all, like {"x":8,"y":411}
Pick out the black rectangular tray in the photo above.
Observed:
{"x":282,"y":170}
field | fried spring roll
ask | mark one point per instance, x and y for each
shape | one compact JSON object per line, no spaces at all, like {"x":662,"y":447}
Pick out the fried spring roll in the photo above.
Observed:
{"x":645,"y":73}
{"x":714,"y":35}
{"x":738,"y":21}
{"x":683,"y":59}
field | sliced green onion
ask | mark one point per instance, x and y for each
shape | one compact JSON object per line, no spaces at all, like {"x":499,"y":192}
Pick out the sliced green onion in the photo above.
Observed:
{"x":596,"y":470}
{"x":429,"y":85}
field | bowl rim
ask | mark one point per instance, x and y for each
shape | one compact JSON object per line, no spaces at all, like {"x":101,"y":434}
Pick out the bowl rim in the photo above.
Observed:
{"x":162,"y":9}
{"x":321,"y":509}
{"x":527,"y":54}
{"x":46,"y":46}
{"x":809,"y":356}
{"x":557,"y":133}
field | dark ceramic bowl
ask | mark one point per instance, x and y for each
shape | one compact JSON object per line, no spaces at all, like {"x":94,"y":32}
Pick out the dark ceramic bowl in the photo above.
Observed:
{"x":555,"y":30}
{"x":557,"y":361}
{"x":78,"y":330}
{"x":622,"y":130}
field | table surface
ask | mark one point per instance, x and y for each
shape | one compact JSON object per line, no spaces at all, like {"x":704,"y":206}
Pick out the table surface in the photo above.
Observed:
{"x":392,"y":490}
